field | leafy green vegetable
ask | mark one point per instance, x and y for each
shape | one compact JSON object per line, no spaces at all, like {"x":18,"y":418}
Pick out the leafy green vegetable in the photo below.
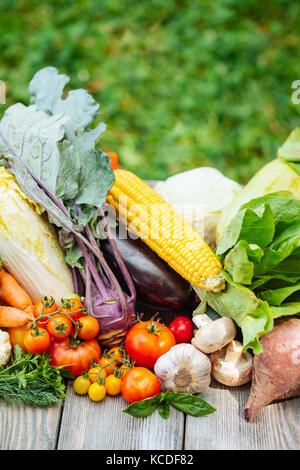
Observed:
{"x":52,"y":141}
{"x":31,"y":380}
{"x":50,"y":147}
{"x":189,"y":404}
{"x":140,"y":409}
{"x":163,"y":409}
{"x":260,"y":250}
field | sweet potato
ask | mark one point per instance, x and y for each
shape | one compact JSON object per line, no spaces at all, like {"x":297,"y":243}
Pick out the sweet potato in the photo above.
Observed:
{"x":276,"y":371}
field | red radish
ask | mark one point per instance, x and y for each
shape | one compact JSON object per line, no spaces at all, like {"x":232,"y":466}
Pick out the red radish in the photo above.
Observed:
{"x":276,"y":371}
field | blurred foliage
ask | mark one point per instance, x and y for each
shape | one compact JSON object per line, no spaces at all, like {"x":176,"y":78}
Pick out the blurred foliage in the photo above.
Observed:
{"x":181,"y":83}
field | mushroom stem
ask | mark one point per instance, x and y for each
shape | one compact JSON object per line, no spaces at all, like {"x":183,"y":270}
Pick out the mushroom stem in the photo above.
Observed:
{"x":234,"y":352}
{"x":231,"y":366}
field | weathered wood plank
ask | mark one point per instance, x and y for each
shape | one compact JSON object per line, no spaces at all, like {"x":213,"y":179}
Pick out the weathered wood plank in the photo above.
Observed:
{"x":25,"y":428}
{"x":276,"y":427}
{"x":103,"y":426}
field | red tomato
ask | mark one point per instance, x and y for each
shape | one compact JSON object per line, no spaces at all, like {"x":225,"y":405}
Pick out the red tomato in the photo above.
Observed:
{"x":183,"y":329}
{"x":60,"y":326}
{"x":75,"y":355}
{"x":139,"y":383}
{"x":88,"y":327}
{"x":37,"y":340}
{"x":114,"y":160}
{"x":73,"y":307}
{"x":46,"y":306}
{"x":147,"y":341}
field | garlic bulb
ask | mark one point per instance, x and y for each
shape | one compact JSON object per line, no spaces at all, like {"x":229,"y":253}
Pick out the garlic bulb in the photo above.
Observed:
{"x":5,"y":348}
{"x":184,"y":369}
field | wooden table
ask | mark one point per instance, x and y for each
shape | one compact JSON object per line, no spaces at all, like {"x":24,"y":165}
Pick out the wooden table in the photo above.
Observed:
{"x":83,"y":424}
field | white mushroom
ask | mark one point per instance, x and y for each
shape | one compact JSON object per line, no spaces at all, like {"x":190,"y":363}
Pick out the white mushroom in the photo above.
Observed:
{"x":231,"y":366}
{"x":214,"y":334}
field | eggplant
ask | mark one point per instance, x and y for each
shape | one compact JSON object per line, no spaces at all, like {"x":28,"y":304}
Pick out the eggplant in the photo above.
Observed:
{"x":158,"y":286}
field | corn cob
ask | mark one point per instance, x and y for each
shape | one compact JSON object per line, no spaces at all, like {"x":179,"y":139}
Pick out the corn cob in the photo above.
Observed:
{"x":150,"y":217}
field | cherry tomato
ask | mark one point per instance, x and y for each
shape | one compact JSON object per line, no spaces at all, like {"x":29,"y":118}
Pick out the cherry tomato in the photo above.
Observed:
{"x":139,"y":383}
{"x":124,"y":368}
{"x":114,"y":160}
{"x":113,"y":385}
{"x":116,"y":353}
{"x":106,"y":362}
{"x":73,"y":307}
{"x":182,"y":328}
{"x":74,"y":355}
{"x":17,"y":335}
{"x":46,"y":305}
{"x":81,"y":385}
{"x":88,"y":327}
{"x":147,"y":341}
{"x":60,"y":326}
{"x":97,"y":392}
{"x":96,"y":373}
{"x":37,"y":340}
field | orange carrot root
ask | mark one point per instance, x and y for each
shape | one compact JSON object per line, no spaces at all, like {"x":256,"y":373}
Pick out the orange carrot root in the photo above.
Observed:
{"x":11,"y":317}
{"x":12,"y":293}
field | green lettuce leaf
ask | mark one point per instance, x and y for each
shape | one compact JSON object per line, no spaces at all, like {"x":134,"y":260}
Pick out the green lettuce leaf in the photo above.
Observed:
{"x":260,"y":250}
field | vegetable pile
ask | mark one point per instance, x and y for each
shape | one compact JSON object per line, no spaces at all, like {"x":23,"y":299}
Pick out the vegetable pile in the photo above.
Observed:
{"x":75,"y":281}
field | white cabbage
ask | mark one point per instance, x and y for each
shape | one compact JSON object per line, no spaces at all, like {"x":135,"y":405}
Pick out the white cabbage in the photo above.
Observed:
{"x":29,"y":245}
{"x":199,"y":195}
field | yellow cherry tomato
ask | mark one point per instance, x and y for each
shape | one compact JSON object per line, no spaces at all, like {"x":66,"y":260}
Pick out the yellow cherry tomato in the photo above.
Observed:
{"x":113,"y":385}
{"x":16,"y":335}
{"x":107,"y":363}
{"x":123,"y":369}
{"x":81,"y":385}
{"x":96,"y":373}
{"x":97,"y":392}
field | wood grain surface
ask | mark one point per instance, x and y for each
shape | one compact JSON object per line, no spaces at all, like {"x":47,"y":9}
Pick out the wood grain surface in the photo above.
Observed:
{"x":82,"y":424}
{"x":276,"y":427}
{"x":88,"y":425}
{"x":26,"y":428}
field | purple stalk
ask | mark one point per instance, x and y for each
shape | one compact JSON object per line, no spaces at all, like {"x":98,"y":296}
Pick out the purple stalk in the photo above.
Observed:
{"x":117,"y":255}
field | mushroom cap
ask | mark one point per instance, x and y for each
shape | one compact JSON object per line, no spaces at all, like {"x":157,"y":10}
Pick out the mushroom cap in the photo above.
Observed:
{"x":231,"y":366}
{"x":215,"y":335}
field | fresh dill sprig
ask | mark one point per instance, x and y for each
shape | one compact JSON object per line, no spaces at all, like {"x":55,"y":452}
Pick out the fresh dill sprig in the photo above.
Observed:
{"x":30,"y":379}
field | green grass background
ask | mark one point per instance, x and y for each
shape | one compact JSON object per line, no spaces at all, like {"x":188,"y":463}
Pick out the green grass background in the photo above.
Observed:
{"x":180,"y":83}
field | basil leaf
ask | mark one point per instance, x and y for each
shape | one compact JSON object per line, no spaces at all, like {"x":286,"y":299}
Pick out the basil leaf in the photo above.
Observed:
{"x":140,"y":409}
{"x":191,"y":404}
{"x":163,"y":409}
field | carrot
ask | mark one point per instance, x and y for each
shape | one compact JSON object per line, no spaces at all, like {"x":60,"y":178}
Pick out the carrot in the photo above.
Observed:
{"x":11,"y":317}
{"x":13,"y":294}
